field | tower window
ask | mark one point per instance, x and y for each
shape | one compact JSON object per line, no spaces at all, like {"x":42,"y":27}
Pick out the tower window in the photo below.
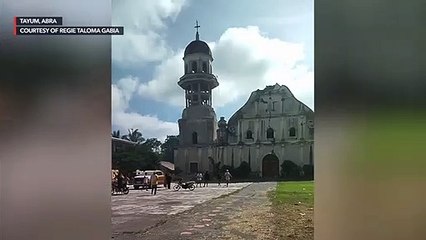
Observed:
{"x":194,"y":138}
{"x":204,"y":67}
{"x":194,"y":67}
{"x":204,"y":88}
{"x":249,"y":134}
{"x":195,"y":99}
{"x":292,"y":132}
{"x":270,"y":133}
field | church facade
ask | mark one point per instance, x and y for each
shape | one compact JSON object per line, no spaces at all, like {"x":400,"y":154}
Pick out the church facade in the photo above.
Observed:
{"x":271,"y":127}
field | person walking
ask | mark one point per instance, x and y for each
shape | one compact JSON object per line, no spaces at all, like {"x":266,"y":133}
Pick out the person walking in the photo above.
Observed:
{"x":206,"y":179}
{"x":228,"y":177}
{"x":219,"y":178}
{"x":154,"y":182}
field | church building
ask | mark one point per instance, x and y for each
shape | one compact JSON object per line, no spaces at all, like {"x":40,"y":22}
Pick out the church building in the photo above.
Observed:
{"x":271,"y":127}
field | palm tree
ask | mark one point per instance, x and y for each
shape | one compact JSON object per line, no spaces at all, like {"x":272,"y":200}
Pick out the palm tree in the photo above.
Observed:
{"x":116,"y":134}
{"x":134,"y":136}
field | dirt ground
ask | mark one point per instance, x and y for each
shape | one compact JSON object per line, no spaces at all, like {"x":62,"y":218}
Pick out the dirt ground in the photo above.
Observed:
{"x":245,"y":214}
{"x":272,"y":221}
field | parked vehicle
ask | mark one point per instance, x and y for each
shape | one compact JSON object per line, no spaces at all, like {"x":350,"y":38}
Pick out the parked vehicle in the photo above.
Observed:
{"x":140,"y":182}
{"x":117,"y":190}
{"x":184,"y":185}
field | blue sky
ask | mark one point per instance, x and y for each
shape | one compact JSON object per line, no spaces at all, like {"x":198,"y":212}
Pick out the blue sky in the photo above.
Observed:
{"x":254,"y":44}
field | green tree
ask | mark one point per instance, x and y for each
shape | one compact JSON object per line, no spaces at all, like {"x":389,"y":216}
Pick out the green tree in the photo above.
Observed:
{"x":134,"y":136}
{"x":116,"y":134}
{"x":243,"y":171}
{"x":153,"y":144}
{"x":290,"y":170}
{"x":144,"y":155}
{"x":168,"y":147}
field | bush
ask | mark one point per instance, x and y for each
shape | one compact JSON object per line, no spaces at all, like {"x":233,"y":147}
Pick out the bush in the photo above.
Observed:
{"x":243,"y":171}
{"x":290,"y":170}
{"x":309,"y":171}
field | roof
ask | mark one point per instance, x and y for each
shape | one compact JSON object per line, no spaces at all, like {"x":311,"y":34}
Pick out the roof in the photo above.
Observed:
{"x":114,"y":139}
{"x":198,"y":46}
{"x":271,"y":88}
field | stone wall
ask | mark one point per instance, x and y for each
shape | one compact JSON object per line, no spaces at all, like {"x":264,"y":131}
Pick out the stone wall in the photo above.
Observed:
{"x":233,"y":155}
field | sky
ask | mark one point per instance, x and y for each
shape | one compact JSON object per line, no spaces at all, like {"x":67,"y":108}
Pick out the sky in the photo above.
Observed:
{"x":254,"y":44}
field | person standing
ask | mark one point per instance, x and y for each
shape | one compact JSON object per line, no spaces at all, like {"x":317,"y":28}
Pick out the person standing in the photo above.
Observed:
{"x":206,"y":179}
{"x":199,"y":178}
{"x":120,"y":181}
{"x":154,"y":182}
{"x":168,"y":180}
{"x":228,"y":177}
{"x":146,"y":181}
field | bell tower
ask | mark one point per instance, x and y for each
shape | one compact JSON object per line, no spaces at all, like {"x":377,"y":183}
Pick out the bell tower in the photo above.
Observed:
{"x":198,"y":123}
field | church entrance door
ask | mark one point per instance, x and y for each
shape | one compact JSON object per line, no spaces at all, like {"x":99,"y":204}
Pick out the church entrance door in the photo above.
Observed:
{"x":270,"y":166}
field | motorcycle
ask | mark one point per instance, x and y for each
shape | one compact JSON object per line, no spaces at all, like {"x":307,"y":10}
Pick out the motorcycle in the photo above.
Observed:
{"x":187,"y":185}
{"x":116,"y":190}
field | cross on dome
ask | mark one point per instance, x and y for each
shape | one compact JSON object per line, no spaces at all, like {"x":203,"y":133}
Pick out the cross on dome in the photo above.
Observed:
{"x":197,"y":36}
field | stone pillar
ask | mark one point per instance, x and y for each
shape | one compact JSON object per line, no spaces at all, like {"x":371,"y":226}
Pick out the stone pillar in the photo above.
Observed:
{"x":282,"y":129}
{"x":239,"y":131}
{"x":232,"y":157}
{"x":200,"y":159}
{"x":249,"y":159}
{"x":227,"y":154}
{"x":209,"y":154}
{"x":257,"y":130}
{"x":175,"y":155}
{"x":258,"y":167}
{"x":186,"y":170}
{"x":301,"y":154}
{"x":222,"y":153}
{"x":199,"y":93}
{"x":240,"y":157}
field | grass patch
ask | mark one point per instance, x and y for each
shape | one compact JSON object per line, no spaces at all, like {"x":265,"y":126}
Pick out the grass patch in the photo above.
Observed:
{"x":293,"y":193}
{"x":292,"y":209}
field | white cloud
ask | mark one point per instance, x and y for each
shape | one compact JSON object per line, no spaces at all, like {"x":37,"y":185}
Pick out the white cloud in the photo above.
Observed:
{"x":245,"y":60}
{"x":144,"y":27}
{"x":123,"y":118}
{"x":164,"y":87}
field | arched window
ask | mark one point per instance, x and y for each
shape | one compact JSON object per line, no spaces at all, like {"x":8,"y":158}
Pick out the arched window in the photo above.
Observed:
{"x":205,"y":67}
{"x":292,"y":132}
{"x":270,"y":133}
{"x":194,"y":66}
{"x":194,"y":138}
{"x":249,"y":134}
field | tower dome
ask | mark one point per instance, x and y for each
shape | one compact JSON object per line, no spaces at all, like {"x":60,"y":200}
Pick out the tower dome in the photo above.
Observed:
{"x":197,"y":46}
